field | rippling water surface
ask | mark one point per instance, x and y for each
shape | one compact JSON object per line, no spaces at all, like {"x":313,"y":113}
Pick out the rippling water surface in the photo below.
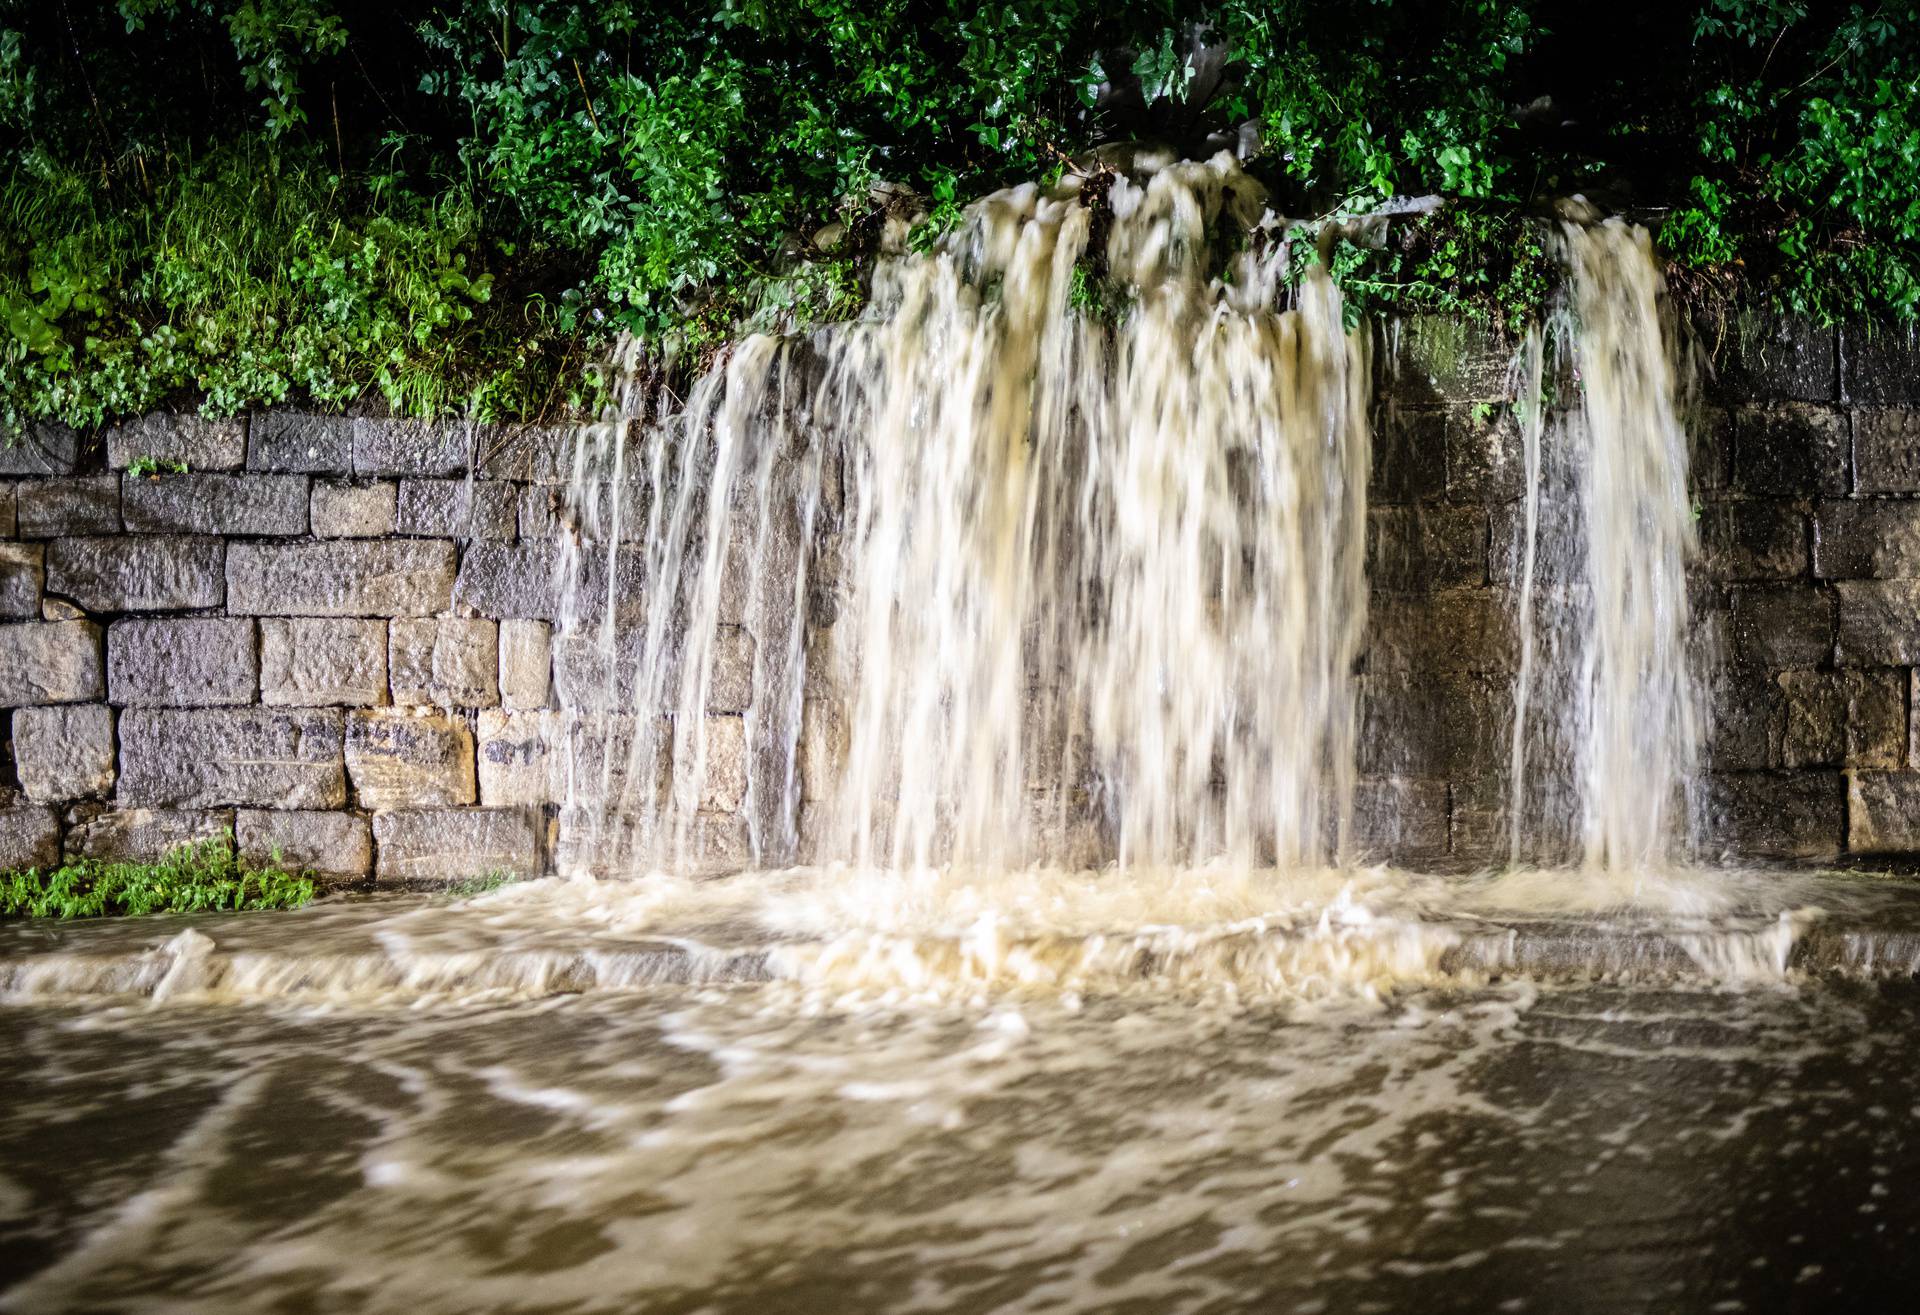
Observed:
{"x":788,"y":1093}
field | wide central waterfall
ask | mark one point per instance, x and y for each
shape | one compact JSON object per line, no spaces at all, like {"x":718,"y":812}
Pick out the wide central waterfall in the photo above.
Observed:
{"x":1058,"y":557}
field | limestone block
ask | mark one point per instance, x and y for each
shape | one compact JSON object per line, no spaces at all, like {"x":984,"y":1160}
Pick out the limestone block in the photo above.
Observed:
{"x":1775,"y":815}
{"x":23,"y":570}
{"x":342,"y":577}
{"x":145,"y":573}
{"x":715,"y":781}
{"x":391,"y":446}
{"x":1753,"y":541}
{"x":45,"y":448}
{"x":142,"y":835}
{"x":50,"y":662}
{"x":333,"y":845}
{"x":215,"y":504}
{"x":1879,"y":622}
{"x":1779,"y":356}
{"x":1455,"y":630}
{"x":518,"y":765}
{"x":1782,"y":626}
{"x":1409,"y":456}
{"x":64,"y":753}
{"x":1886,"y":450}
{"x":1398,"y":819}
{"x":401,"y":759}
{"x":187,"y":662}
{"x":1883,"y":812}
{"x":453,"y":844}
{"x":526,"y":664}
{"x":457,"y":508}
{"x":29,"y":838}
{"x":316,"y":662}
{"x":1414,"y":549}
{"x":51,"y":508}
{"x":447,"y":662}
{"x":507,"y":580}
{"x":540,"y":453}
{"x":732,"y":686}
{"x":1787,"y":449}
{"x":353,"y":511}
{"x":1871,"y":539}
{"x":294,"y":442}
{"x":1881,"y":366}
{"x":259,"y":757}
{"x":200,"y":442}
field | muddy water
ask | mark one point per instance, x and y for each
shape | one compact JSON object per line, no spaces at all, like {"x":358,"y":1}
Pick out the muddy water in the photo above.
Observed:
{"x":571,"y":1097}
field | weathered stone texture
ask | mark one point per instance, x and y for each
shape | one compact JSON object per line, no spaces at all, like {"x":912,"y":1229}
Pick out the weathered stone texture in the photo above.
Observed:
{"x":1457,"y":630}
{"x":346,"y":577}
{"x":260,"y":757}
{"x":216,"y":504}
{"x":542,"y":454}
{"x":1790,"y":448}
{"x":457,"y":509}
{"x":1744,"y":541}
{"x":1882,"y":365}
{"x":1879,"y":622}
{"x":731,"y":689}
{"x":29,"y":838}
{"x":142,"y":835}
{"x":447,"y":662}
{"x":1843,"y":718}
{"x":1886,"y":450}
{"x":45,"y":448}
{"x":353,"y":511}
{"x":293,"y":442}
{"x":526,"y":664}
{"x":143,"y":573}
{"x":1415,"y":549}
{"x":189,"y":662}
{"x":1873,"y":540}
{"x":1788,"y":357}
{"x":1883,"y":812}
{"x":9,"y":511}
{"x":1774,"y":815}
{"x":200,"y":442}
{"x":318,"y":662}
{"x":50,"y":662}
{"x":400,"y":759}
{"x":505,"y":580}
{"x":1425,"y":725}
{"x":517,"y":762}
{"x":23,"y":570}
{"x":338,"y":846}
{"x":713,"y":776}
{"x":64,"y":753}
{"x":450,"y":844}
{"x":388,"y":446}
{"x":48,"y":509}
{"x":1400,"y":819}
{"x":1409,"y":456}
{"x":1782,"y":626}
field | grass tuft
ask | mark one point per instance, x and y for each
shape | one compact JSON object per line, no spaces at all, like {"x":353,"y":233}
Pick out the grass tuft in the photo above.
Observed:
{"x":202,"y":876}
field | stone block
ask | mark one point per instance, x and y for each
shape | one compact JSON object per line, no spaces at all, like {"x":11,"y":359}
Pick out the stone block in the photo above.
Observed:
{"x":446,"y":662}
{"x":731,"y":689}
{"x":712,"y":776}
{"x":9,"y":511}
{"x":59,"y":609}
{"x":526,"y":664}
{"x":508,"y":580}
{"x":454,"y":844}
{"x":1559,"y":545}
{"x":1784,"y":357}
{"x":43,"y":448}
{"x":387,"y":445}
{"x":1409,"y":456}
{"x":541,"y":454}
{"x":1399,"y":820}
{"x":200,"y":442}
{"x":353,"y":511}
{"x":147,"y":573}
{"x":1879,"y":622}
{"x":189,"y":662}
{"x":1710,"y":450}
{"x":1876,"y":718}
{"x":215,"y":504}
{"x":142,"y":835}
{"x":312,"y":662}
{"x":1867,"y":540}
{"x":50,"y":662}
{"x":518,"y":765}
{"x":1446,"y":358}
{"x":1883,"y":812}
{"x":23,"y":573}
{"x":1886,"y":450}
{"x":825,"y":740}
{"x":29,"y":838}
{"x":458,"y":508}
{"x":1455,"y":630}
{"x":1414,"y":549}
{"x":298,"y":443}
{"x":341,"y":577}
{"x":1815,"y":726}
{"x":1881,"y":365}
{"x":64,"y":753}
{"x":1742,"y":541}
{"x":1746,"y":714}
{"x":1782,"y":626}
{"x":400,"y":759}
{"x":1486,"y":455}
{"x":1433,"y":725}
{"x":1790,"y":449}
{"x":86,"y":504}
{"x":338,"y":846}
{"x":258,"y":757}
{"x":1773,"y":815}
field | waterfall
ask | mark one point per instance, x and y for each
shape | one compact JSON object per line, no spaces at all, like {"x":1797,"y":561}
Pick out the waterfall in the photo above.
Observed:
{"x":1011,"y":579}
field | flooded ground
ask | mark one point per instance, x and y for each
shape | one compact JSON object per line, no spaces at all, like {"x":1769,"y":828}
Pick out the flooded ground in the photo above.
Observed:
{"x":668,"y":1097}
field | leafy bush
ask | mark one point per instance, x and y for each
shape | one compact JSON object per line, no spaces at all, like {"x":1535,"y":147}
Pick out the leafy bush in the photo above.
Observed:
{"x":202,"y":876}
{"x":448,"y":204}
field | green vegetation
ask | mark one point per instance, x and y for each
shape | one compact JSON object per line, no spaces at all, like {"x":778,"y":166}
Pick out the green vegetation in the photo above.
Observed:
{"x":148,"y":467}
{"x":202,"y":876}
{"x":452,"y":203}
{"x":484,"y":884}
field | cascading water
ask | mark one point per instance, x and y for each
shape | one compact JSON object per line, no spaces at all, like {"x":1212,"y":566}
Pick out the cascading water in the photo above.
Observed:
{"x":1101,"y":587}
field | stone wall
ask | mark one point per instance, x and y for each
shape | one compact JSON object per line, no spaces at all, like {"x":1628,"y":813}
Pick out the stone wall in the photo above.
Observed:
{"x":331,"y":641}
